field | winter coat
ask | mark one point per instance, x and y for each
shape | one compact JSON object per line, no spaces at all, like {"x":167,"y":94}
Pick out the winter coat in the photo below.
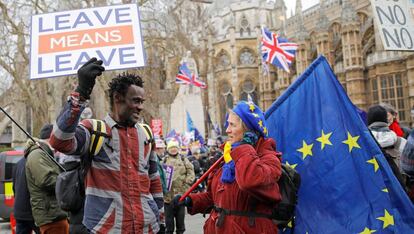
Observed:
{"x":183,"y":175}
{"x":388,"y":140}
{"x":41,"y":174}
{"x":22,"y":208}
{"x":407,"y":157}
{"x":162,"y":175}
{"x":257,"y":172}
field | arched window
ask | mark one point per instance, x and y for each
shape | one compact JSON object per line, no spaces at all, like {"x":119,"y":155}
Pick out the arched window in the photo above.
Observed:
{"x":226,"y":101}
{"x":244,"y":26}
{"x":222,"y":60}
{"x":391,"y":89}
{"x":248,"y":89}
{"x":246,"y":57}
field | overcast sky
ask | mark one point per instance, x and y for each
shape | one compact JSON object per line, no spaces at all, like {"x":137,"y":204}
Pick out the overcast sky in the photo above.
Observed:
{"x":290,"y":4}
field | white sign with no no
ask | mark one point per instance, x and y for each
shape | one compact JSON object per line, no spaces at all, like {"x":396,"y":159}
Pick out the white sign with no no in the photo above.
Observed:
{"x":395,"y":21}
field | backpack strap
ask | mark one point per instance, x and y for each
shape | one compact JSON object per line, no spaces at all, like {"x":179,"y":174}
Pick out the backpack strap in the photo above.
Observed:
{"x":148,"y":134}
{"x":98,"y":135}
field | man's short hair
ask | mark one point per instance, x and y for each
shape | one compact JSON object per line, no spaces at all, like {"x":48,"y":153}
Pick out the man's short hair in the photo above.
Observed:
{"x":121,"y":83}
{"x":46,"y":131}
{"x":376,"y":113}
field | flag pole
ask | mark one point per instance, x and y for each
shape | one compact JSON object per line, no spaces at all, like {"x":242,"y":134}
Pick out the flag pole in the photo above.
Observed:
{"x":32,"y":139}
{"x":205,"y":175}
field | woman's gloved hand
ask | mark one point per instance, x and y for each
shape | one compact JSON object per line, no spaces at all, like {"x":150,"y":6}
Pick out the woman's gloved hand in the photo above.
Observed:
{"x":176,"y":201}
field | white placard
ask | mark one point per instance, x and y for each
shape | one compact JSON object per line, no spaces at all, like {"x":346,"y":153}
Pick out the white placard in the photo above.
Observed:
{"x":61,"y":42}
{"x":395,"y":21}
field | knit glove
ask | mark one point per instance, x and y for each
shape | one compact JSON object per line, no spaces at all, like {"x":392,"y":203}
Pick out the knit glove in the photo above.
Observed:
{"x":226,"y":152}
{"x":176,"y":201}
{"x":229,"y":174}
{"x":87,"y":75}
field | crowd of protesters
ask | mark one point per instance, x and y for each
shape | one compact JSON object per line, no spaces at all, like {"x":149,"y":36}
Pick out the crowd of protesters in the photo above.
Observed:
{"x":125,"y":185}
{"x":135,"y":181}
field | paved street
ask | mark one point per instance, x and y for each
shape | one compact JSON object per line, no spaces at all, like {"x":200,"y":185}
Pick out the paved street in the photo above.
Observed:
{"x":194,"y":225}
{"x":4,"y":227}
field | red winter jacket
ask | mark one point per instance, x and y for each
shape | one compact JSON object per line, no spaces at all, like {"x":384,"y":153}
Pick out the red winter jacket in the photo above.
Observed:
{"x":257,"y":172}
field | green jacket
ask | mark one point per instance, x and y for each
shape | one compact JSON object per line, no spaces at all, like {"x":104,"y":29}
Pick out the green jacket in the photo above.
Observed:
{"x":162,"y":175}
{"x":41,"y":174}
{"x":183,"y":175}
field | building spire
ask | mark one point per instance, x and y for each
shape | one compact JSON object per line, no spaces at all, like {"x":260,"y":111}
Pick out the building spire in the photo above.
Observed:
{"x":298,"y":7}
{"x":301,"y":30}
{"x":323,"y":19}
{"x":348,"y":12}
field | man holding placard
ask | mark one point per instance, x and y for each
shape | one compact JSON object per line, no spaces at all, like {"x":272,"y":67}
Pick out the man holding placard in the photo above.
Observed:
{"x":123,"y":188}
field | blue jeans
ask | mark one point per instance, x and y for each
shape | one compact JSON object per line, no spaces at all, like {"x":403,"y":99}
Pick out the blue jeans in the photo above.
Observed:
{"x":26,"y":227}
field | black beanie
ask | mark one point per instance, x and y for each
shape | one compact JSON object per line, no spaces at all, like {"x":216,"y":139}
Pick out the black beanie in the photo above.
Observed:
{"x":46,"y":131}
{"x":376,"y":113}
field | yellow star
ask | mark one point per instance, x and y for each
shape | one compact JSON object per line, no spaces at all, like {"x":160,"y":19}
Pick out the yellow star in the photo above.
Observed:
{"x":387,"y":219}
{"x":251,"y":107}
{"x":385,"y":190}
{"x":367,"y":231}
{"x":292,"y":166}
{"x":260,"y":123}
{"x":352,"y":142}
{"x":375,"y":163}
{"x":324,"y":139}
{"x":306,"y":150}
{"x":265,"y":131}
{"x":255,"y":115}
{"x":289,"y":224}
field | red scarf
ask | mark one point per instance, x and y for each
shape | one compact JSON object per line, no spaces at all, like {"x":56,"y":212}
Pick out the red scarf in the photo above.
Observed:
{"x":395,"y":127}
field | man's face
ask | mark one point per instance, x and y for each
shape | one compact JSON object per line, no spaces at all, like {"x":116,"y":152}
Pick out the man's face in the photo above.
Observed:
{"x":160,"y":151}
{"x":235,"y":129}
{"x":390,"y":118}
{"x":173,"y":150}
{"x":130,"y":105}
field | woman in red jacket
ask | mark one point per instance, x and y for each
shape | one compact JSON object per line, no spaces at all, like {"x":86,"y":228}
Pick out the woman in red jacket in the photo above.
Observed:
{"x":243,"y":191}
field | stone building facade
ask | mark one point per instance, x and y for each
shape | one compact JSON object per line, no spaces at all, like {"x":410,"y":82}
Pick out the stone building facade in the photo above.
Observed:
{"x":235,"y":66}
{"x":341,"y":30}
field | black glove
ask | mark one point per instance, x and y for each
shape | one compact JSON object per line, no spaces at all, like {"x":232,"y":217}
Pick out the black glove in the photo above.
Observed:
{"x":87,"y":75}
{"x":187,"y":201}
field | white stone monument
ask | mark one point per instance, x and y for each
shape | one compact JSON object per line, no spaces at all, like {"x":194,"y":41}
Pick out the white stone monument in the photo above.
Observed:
{"x":188,"y":99}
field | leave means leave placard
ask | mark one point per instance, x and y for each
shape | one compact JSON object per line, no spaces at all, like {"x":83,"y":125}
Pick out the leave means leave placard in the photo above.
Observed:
{"x":62,"y":41}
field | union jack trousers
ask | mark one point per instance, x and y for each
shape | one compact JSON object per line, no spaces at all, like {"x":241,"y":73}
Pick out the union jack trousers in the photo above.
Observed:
{"x":123,"y":187}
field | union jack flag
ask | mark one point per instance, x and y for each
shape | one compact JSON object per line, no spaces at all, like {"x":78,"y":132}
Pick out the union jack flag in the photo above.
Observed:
{"x":277,"y":51}
{"x":185,"y":76}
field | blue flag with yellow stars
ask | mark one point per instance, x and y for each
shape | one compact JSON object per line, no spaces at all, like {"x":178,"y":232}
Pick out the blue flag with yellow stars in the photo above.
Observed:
{"x":347,"y":185}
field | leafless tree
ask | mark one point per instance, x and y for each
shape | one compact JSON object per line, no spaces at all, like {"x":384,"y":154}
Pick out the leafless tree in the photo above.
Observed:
{"x":170,"y":28}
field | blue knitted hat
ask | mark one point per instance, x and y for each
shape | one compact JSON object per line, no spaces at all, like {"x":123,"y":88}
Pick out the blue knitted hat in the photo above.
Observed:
{"x":252,"y":116}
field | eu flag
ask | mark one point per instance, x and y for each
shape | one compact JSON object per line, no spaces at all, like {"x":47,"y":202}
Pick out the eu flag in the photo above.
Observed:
{"x":191,"y":127}
{"x":347,"y":185}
